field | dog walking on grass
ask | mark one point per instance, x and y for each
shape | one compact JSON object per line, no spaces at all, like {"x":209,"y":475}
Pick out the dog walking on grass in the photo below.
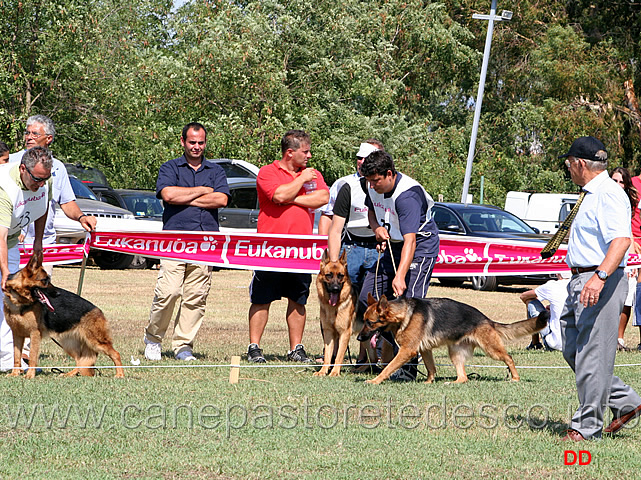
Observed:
{"x":422,"y":324}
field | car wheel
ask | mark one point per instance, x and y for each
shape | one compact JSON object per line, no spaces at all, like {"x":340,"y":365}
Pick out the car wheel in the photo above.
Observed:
{"x":139,"y":263}
{"x":485,"y":284}
{"x":450,"y":282}
{"x":112,"y":260}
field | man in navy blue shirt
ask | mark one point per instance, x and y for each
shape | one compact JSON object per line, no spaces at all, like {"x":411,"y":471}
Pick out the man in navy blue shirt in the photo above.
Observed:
{"x":400,"y":215}
{"x":192,"y":189}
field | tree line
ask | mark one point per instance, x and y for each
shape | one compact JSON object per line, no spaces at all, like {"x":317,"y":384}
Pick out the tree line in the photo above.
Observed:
{"x":120,"y":79}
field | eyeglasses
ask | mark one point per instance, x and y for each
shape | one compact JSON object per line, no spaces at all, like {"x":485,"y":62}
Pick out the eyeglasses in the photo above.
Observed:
{"x":359,"y":158}
{"x":31,"y":133}
{"x":34,"y":178}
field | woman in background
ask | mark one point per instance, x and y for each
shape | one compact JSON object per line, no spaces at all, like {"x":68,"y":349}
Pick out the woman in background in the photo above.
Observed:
{"x":622,"y":176}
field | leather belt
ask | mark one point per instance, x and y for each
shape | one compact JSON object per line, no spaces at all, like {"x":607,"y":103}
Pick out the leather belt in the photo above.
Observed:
{"x":577,"y":270}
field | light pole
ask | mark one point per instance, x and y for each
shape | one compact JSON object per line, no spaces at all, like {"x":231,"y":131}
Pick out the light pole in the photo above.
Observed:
{"x":492,"y":17}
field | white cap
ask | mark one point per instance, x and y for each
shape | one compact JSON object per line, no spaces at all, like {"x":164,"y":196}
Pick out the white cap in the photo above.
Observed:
{"x":365,"y":149}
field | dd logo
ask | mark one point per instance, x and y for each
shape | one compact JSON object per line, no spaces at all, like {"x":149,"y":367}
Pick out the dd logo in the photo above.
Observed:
{"x":582,"y":457}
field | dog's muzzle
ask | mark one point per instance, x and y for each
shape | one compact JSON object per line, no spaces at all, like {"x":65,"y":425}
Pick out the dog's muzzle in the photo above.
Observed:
{"x":334,"y":293}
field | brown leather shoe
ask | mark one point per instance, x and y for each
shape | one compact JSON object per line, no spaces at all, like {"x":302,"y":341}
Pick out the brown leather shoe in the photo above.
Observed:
{"x":573,"y":436}
{"x":618,"y":423}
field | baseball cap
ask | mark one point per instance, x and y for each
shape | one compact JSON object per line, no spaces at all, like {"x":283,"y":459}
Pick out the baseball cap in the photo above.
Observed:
{"x":588,"y":148}
{"x":365,"y":149}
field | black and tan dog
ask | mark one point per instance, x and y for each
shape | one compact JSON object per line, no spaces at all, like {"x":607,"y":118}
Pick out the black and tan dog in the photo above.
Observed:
{"x":34,"y":308}
{"x":338,"y":304}
{"x":421,"y":324}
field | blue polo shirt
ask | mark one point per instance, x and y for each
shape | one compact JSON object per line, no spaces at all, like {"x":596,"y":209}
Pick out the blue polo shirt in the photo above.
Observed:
{"x":178,"y":173}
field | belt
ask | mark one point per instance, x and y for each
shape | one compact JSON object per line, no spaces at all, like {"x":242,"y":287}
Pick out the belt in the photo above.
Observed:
{"x":577,"y":270}
{"x":360,"y":243}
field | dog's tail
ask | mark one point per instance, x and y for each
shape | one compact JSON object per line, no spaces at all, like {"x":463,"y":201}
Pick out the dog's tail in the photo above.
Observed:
{"x":524,"y":327}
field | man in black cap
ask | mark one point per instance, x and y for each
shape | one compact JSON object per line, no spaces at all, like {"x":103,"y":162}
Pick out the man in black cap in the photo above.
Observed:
{"x":597,"y":253}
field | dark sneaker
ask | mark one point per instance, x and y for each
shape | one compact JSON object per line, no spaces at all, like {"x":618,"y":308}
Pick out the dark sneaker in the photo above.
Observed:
{"x":535,"y":346}
{"x":407,"y":373}
{"x":255,"y":354}
{"x":299,"y":355}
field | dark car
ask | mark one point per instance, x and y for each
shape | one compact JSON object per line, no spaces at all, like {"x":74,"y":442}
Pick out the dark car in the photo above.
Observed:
{"x":142,"y":203}
{"x":486,"y":221}
{"x":241,"y":211}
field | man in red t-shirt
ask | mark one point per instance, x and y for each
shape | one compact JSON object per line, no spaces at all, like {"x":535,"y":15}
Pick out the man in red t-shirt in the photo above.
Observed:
{"x":288,"y":194}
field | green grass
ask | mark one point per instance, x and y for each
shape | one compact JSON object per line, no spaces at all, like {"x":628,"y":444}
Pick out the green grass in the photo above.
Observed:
{"x":283,"y":422}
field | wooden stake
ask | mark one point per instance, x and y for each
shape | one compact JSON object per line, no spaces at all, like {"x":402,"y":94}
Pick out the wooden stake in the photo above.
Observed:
{"x":235,"y":369}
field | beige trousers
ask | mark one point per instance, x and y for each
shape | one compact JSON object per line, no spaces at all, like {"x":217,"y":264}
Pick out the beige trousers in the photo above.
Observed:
{"x":188,"y":285}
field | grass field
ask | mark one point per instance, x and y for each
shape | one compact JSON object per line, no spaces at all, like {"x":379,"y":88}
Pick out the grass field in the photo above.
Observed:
{"x":171,"y":420}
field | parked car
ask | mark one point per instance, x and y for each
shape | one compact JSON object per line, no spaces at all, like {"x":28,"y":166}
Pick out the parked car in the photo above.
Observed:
{"x":237,"y":168}
{"x":544,"y":212}
{"x":486,"y":221}
{"x":142,"y":203}
{"x":241,"y":211}
{"x":86,"y":174}
{"x":109,"y":217}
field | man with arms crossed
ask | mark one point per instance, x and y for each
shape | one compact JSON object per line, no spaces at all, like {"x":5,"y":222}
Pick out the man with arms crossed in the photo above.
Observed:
{"x":288,"y":192}
{"x":193,"y":189}
{"x":25,"y":193}
{"x":597,"y":251}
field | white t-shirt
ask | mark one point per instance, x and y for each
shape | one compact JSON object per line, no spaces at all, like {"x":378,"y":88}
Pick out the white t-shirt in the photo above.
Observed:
{"x":555,"y":292}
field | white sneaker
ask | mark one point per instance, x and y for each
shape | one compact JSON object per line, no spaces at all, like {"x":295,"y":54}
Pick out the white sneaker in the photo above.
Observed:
{"x":152,"y":350}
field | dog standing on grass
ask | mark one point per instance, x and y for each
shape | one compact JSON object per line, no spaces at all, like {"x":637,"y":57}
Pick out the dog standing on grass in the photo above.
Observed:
{"x":34,"y":308}
{"x":338,"y":304}
{"x":421,"y":324}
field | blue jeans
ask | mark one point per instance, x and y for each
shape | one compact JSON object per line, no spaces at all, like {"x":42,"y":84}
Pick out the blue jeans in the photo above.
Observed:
{"x":359,"y":261}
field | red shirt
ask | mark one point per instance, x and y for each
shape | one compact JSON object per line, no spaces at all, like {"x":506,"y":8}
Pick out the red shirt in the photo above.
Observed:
{"x":636,"y":219}
{"x":282,"y":218}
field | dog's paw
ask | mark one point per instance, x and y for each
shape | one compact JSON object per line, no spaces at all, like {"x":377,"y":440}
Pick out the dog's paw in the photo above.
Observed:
{"x":335,"y":373}
{"x":15,"y":373}
{"x":373,"y":381}
{"x":320,"y":373}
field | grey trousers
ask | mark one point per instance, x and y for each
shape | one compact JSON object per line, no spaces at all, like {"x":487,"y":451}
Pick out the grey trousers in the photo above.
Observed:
{"x":589,"y":347}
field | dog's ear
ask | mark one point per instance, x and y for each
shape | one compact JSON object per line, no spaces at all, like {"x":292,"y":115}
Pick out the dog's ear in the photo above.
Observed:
{"x":370,"y":300}
{"x":35,"y":261}
{"x":343,"y":258}
{"x":325,"y":257}
{"x":382,"y":304}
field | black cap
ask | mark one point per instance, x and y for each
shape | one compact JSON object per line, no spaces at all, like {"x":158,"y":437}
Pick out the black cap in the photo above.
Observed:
{"x":588,"y":148}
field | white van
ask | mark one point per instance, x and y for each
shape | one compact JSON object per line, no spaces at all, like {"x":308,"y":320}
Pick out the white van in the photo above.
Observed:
{"x":542,"y":211}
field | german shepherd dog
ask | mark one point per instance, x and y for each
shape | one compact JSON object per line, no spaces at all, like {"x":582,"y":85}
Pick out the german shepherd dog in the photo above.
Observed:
{"x":338,"y":306}
{"x":421,"y":324}
{"x":34,"y":308}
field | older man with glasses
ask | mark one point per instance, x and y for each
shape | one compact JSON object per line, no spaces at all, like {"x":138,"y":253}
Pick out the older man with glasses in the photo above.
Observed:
{"x":25,"y":194}
{"x":597,"y":252}
{"x":40,"y":132}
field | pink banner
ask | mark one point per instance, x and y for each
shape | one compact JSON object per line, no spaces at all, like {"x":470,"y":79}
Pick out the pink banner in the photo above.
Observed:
{"x":285,"y":253}
{"x":58,"y":254}
{"x":458,"y":257}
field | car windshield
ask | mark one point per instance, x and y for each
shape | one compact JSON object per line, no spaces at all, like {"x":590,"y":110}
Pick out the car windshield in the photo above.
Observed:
{"x":143,"y":204}
{"x":495,"y":221}
{"x":86,"y":174}
{"x":80,"y":190}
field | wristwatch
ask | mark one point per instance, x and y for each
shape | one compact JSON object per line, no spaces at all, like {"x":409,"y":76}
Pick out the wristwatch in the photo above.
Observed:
{"x":601,"y":274}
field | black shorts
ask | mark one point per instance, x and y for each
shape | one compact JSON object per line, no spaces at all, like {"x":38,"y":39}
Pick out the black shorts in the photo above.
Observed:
{"x":267,"y":287}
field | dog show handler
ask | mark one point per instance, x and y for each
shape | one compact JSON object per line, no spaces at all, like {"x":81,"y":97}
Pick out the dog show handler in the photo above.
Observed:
{"x":25,"y":194}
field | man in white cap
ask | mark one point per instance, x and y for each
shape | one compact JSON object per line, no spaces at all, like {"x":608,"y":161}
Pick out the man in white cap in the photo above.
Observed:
{"x":344,"y":219}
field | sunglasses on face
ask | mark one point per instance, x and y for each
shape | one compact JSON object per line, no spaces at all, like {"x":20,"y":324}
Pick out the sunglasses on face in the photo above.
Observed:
{"x":34,"y":178}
